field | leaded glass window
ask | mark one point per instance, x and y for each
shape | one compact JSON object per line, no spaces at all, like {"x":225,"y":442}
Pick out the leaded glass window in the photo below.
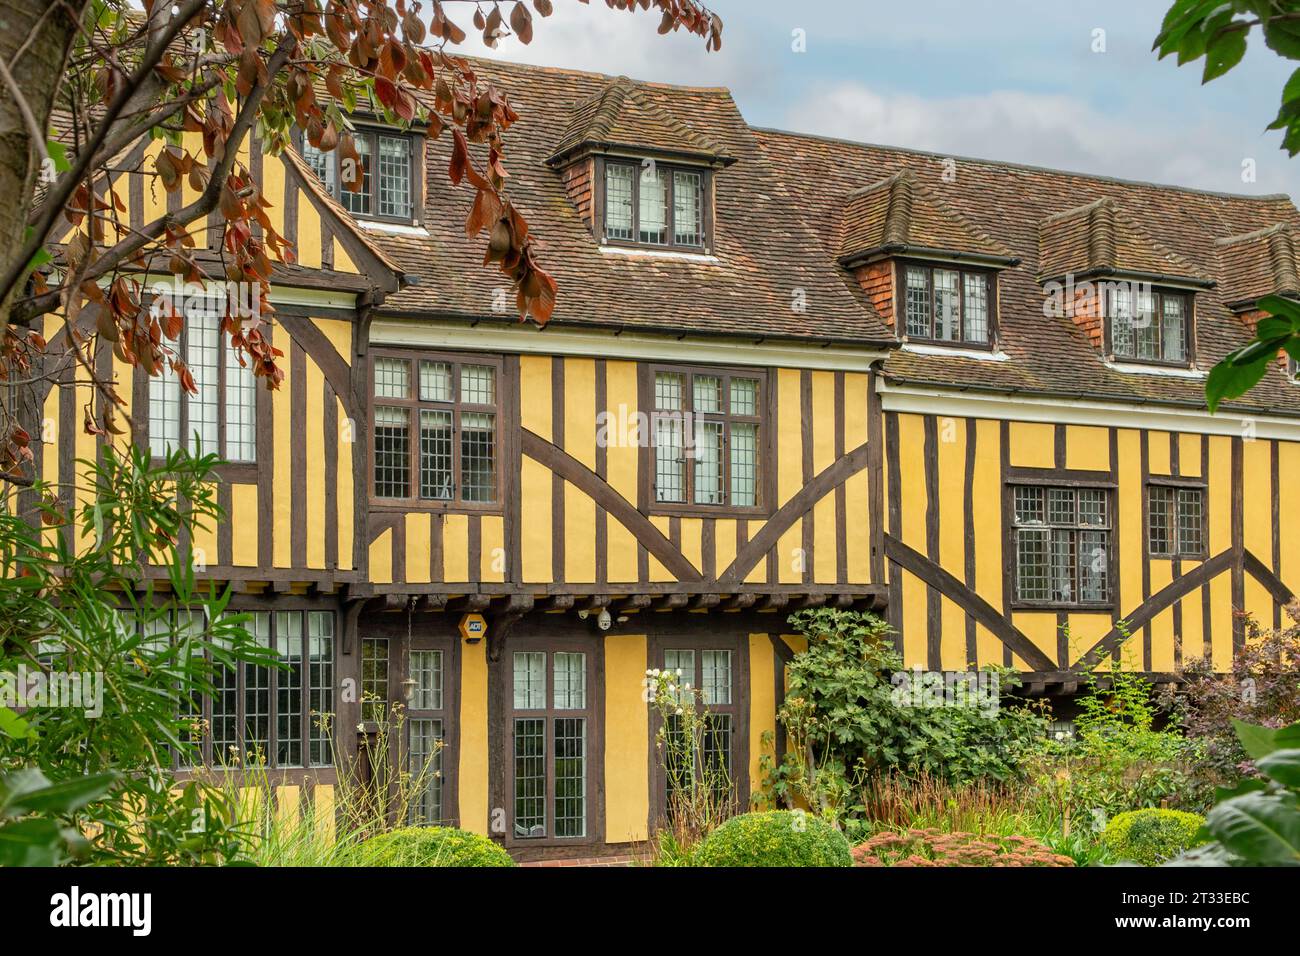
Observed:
{"x":1062,"y":544}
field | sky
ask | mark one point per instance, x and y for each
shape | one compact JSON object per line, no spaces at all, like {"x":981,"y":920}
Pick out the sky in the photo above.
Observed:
{"x":1045,"y":82}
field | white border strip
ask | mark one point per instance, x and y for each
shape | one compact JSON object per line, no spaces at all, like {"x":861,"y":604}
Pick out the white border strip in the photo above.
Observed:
{"x":1129,"y":368}
{"x":1069,"y":411}
{"x":528,"y":339}
{"x":395,"y":228}
{"x":658,"y":254}
{"x":955,"y":351}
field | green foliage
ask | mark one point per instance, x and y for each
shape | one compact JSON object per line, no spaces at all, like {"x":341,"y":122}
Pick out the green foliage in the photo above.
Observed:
{"x":34,"y":813}
{"x":1209,"y":705}
{"x":62,"y":588}
{"x":700,"y":791}
{"x":1242,"y":369}
{"x":1117,"y":759}
{"x":846,"y":720}
{"x":1217,"y":32}
{"x":1257,"y":823}
{"x":1151,"y":836}
{"x":774,"y":838}
{"x":430,"y":846}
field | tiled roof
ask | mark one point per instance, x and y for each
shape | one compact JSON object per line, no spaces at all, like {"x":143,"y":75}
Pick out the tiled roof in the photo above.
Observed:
{"x":1045,"y":353}
{"x":1100,"y":238}
{"x":899,"y":215}
{"x":1258,"y":264}
{"x":766,"y":275}
{"x":792,"y":204}
{"x":620,"y":115}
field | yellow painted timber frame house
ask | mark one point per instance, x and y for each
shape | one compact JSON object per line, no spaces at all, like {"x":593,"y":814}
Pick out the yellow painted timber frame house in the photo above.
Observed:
{"x":784,"y":372}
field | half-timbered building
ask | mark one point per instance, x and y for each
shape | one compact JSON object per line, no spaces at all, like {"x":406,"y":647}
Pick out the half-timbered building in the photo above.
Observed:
{"x":784,"y":371}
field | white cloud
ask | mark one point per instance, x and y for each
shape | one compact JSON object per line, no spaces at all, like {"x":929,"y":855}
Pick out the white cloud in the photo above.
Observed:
{"x":596,"y":38}
{"x":1046,"y":129}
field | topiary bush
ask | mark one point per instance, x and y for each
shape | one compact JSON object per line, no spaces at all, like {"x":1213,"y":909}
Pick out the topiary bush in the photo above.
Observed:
{"x":1150,"y":836}
{"x":933,"y":847}
{"x":430,"y":846}
{"x":774,"y":838}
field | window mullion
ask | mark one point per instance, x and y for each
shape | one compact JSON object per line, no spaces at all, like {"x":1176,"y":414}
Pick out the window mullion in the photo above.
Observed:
{"x":689,"y":432}
{"x":669,"y":204}
{"x":221,"y":395}
{"x":272,"y":757}
{"x":182,"y":396}
{"x":636,"y":203}
{"x":929,"y":276}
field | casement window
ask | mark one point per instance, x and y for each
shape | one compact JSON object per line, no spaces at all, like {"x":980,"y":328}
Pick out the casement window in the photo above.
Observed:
{"x":1148,"y":325}
{"x":426,"y":724}
{"x":654,"y":205}
{"x":436,"y":435}
{"x":262,"y":716}
{"x":374,"y":679}
{"x":708,"y":676}
{"x":221,"y":417}
{"x":387,"y":174}
{"x":948,"y":304}
{"x":552,"y":706}
{"x":707,"y":432}
{"x":1176,"y":521}
{"x":1062,"y":545}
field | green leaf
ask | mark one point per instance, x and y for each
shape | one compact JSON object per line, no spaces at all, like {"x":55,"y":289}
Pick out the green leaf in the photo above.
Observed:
{"x":30,"y":791}
{"x":36,"y":842}
{"x":1261,"y":828}
{"x":1227,"y":381}
{"x":1282,"y":766}
{"x":1223,"y":53}
{"x":1282,"y":37}
{"x":1274,"y":327}
{"x":1259,"y":742}
{"x":1259,"y":350}
{"x":59,"y":154}
{"x":1281,"y":306}
{"x":11,"y":725}
{"x":1291,"y":91}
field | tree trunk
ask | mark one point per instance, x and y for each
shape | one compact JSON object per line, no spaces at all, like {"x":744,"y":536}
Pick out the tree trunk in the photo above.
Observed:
{"x":48,"y":32}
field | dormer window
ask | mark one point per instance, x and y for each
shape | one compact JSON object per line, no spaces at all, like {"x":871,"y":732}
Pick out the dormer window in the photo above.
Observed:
{"x":650,"y":204}
{"x":388,"y":188}
{"x":1148,"y":325}
{"x":949,"y":304}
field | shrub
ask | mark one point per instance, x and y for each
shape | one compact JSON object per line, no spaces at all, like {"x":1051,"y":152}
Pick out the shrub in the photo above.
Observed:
{"x":1151,"y":837}
{"x":774,"y":838}
{"x":852,"y":711}
{"x":1260,"y":689}
{"x":938,"y":848}
{"x":430,"y":846}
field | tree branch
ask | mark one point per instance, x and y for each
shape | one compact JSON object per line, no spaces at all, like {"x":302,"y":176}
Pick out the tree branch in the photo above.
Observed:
{"x":128,"y":247}
{"x":58,"y":196}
